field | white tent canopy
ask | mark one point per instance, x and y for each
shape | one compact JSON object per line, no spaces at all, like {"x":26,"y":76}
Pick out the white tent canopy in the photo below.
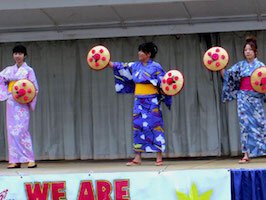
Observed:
{"x":33,"y":20}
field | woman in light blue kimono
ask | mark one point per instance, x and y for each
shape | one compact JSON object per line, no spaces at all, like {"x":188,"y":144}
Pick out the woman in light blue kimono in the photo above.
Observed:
{"x":249,"y":102}
{"x":20,"y":149}
{"x":143,"y":78}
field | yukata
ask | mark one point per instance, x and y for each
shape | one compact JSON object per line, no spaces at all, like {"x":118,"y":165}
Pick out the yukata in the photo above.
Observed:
{"x":144,"y":82}
{"x":20,"y":148}
{"x":250,"y":106}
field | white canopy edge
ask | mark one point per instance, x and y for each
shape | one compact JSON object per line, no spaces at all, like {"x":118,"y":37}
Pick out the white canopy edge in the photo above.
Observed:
{"x":103,"y":32}
{"x":42,"y":4}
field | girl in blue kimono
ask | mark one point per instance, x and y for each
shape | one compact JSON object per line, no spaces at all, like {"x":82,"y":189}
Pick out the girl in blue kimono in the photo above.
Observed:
{"x":249,"y":102}
{"x":143,"y":78}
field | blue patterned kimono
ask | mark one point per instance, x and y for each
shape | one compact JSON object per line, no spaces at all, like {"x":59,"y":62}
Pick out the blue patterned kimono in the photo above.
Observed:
{"x":249,"y":105}
{"x":147,"y":115}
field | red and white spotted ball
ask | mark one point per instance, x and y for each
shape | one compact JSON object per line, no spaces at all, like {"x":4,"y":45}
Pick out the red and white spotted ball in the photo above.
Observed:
{"x":23,"y":91}
{"x":98,"y":57}
{"x":172,"y":82}
{"x":216,"y":58}
{"x":258,"y":79}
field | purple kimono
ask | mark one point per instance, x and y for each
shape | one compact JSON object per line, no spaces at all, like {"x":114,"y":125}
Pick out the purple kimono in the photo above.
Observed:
{"x":147,"y":115}
{"x":18,"y":115}
{"x":249,"y":105}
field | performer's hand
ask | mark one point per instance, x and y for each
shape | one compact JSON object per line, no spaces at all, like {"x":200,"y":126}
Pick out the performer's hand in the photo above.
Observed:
{"x":222,"y":72}
{"x":111,"y":64}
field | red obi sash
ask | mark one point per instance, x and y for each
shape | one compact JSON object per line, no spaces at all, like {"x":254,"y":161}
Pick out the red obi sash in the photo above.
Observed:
{"x":245,"y":84}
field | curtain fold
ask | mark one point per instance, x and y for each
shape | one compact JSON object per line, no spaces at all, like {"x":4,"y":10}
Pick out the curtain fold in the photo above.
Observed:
{"x":79,"y":115}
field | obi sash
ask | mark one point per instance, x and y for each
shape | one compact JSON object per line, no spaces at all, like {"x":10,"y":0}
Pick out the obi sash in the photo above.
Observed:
{"x":245,"y":84}
{"x":145,"y":89}
{"x":10,"y":85}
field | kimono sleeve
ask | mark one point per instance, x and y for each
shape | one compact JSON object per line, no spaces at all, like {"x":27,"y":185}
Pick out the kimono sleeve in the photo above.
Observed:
{"x":5,"y":74}
{"x":3,"y":89}
{"x":157,"y":82}
{"x":123,"y":77}
{"x":231,"y":82}
{"x":3,"y":86}
{"x":32,"y":78}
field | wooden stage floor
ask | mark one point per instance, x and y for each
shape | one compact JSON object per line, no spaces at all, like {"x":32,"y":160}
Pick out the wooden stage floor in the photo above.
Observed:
{"x":95,"y":166}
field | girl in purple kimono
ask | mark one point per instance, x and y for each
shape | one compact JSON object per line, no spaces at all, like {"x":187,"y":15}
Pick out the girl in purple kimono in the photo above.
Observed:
{"x":143,"y":78}
{"x":20,"y":148}
{"x":249,"y":102}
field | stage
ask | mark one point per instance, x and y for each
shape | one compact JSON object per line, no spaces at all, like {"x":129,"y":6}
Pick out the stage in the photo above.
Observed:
{"x":214,"y":178}
{"x":103,"y":166}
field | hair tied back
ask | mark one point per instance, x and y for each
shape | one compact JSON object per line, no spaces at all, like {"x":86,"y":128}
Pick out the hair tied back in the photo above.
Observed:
{"x":251,"y":39}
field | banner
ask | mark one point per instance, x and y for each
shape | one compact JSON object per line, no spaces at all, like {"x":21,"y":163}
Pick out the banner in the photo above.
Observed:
{"x":161,"y":185}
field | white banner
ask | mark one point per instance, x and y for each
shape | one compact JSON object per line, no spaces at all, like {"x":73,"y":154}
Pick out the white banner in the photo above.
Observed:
{"x":170,"y":185}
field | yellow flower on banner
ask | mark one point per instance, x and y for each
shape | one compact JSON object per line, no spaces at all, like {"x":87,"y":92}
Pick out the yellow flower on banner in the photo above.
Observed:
{"x":194,"y":194}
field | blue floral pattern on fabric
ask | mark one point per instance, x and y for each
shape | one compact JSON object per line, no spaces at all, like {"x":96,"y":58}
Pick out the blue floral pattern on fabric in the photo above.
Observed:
{"x":249,"y":105}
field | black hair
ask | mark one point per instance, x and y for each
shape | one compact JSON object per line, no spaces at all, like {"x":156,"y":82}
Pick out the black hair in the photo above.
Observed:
{"x":149,"y":47}
{"x":252,"y":41}
{"x":20,"y":49}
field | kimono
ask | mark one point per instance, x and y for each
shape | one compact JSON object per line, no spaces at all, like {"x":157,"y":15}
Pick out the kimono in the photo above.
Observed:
{"x":147,"y":116}
{"x":20,"y":148}
{"x":249,"y":106}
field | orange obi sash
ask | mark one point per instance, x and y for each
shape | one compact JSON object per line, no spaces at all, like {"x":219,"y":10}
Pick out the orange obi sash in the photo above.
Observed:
{"x":10,"y":85}
{"x":145,"y":89}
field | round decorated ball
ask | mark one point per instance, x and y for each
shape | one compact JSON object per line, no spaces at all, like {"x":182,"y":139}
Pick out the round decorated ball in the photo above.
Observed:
{"x":215,"y":58}
{"x":98,"y":57}
{"x":258,"y":79}
{"x":172,"y":82}
{"x":23,"y":91}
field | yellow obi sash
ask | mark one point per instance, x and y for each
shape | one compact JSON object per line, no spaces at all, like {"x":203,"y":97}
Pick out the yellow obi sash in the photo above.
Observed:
{"x":145,"y":89}
{"x":10,"y":85}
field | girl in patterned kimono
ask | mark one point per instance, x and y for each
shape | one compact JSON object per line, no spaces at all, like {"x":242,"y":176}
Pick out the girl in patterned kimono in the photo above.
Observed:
{"x":20,"y":148}
{"x":249,"y":102}
{"x":143,"y":78}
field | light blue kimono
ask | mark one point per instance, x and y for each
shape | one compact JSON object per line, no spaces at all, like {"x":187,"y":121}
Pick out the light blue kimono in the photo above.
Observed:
{"x":249,"y":105}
